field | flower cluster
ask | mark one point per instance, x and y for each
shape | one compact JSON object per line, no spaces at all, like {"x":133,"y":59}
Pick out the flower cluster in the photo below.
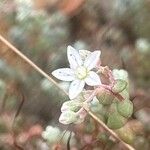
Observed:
{"x":108,"y":101}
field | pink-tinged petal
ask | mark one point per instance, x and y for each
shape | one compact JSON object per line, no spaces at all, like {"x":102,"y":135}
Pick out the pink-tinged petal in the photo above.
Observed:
{"x":74,"y":57}
{"x":92,"y":60}
{"x":92,"y":79}
{"x":64,"y":74}
{"x":76,"y":88}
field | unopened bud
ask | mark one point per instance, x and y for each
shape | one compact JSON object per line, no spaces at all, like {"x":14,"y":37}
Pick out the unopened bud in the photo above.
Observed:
{"x":72,"y":105}
{"x":68,"y":117}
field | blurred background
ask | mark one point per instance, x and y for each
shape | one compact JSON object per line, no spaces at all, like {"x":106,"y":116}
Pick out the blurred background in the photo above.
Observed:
{"x":42,"y":29}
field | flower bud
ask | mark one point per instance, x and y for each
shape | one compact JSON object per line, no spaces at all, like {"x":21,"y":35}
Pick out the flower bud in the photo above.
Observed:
{"x":119,"y":86}
{"x":68,"y":117}
{"x":125,"y":108}
{"x":105,"y":97}
{"x":72,"y":105}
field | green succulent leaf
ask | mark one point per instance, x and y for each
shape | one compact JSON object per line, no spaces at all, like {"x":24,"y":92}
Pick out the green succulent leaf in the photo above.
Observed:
{"x":105,"y":97}
{"x":119,"y":86}
{"x":125,"y":108}
{"x":125,"y":94}
{"x":115,"y":120}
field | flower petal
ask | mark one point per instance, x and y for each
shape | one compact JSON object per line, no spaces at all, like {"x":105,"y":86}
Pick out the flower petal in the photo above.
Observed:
{"x":92,"y":60}
{"x":76,"y":88}
{"x":73,"y":57}
{"x":65,"y":74}
{"x":92,"y":79}
{"x":84,"y":54}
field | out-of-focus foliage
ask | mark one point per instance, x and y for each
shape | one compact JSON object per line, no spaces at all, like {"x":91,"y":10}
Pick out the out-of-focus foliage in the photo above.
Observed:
{"x":42,"y":30}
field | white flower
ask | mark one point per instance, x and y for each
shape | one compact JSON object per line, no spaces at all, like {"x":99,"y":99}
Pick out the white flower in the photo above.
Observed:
{"x":84,"y":54}
{"x":79,"y":72}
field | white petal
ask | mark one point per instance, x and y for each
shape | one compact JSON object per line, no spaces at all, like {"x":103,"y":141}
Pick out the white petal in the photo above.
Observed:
{"x":92,"y":60}
{"x":74,"y":57}
{"x":92,"y":79}
{"x":65,"y":74}
{"x":84,"y":54}
{"x":76,"y":88}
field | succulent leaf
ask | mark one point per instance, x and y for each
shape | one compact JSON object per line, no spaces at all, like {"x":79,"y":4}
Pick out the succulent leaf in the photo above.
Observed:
{"x":125,"y":108}
{"x":119,"y":86}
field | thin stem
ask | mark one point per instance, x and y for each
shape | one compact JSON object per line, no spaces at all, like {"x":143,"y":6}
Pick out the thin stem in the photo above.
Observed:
{"x":109,"y":130}
{"x":26,"y":59}
{"x":82,"y":110}
{"x":56,"y":84}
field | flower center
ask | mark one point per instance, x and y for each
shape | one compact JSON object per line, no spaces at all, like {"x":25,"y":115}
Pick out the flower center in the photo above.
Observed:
{"x":81,"y":72}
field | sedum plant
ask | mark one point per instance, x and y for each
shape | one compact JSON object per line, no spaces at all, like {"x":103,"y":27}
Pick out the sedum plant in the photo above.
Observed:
{"x":99,"y":85}
{"x":96,"y":87}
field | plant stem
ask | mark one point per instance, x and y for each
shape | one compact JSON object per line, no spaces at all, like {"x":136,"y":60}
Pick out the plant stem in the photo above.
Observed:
{"x":26,"y":59}
{"x":14,"y":49}
{"x":108,"y":130}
